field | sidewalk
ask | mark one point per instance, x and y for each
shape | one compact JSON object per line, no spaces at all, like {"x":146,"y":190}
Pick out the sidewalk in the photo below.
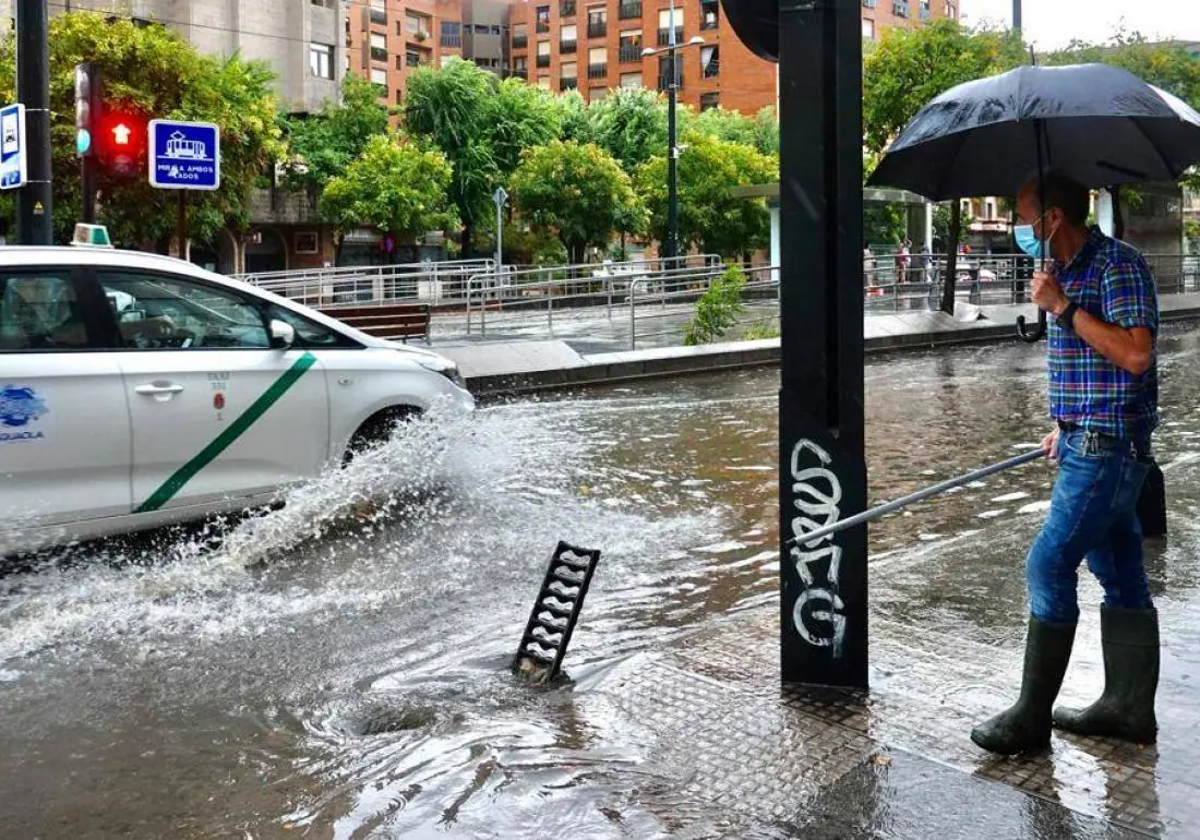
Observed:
{"x":514,"y":366}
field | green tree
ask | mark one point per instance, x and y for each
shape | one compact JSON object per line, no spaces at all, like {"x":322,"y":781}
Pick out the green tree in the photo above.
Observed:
{"x":577,"y":190}
{"x":322,"y":145}
{"x":522,"y":116}
{"x":631,"y":125}
{"x":574,"y":118}
{"x":450,"y":107}
{"x":392,"y":186}
{"x":884,"y":224}
{"x":723,"y":124}
{"x":910,"y":67}
{"x":151,"y":71}
{"x":711,"y":217}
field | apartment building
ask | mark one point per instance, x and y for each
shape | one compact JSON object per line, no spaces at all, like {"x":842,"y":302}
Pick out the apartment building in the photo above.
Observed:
{"x":878,"y":15}
{"x":298,"y":38}
{"x":385,"y":40}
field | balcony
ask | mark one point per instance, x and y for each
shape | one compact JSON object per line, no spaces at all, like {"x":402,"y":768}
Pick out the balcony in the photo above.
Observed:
{"x":597,"y":28}
{"x":629,"y":11}
{"x":543,"y":61}
{"x":452,"y":40}
{"x":710,"y":16}
{"x":630,"y":54}
{"x":520,"y":42}
{"x":900,"y":8}
{"x":597,"y":71}
{"x":542,"y":26}
{"x":712,"y":69}
{"x":379,"y":16}
{"x":521,"y":71}
{"x":567,"y":47}
{"x":568,"y":83}
{"x":379,"y":54}
{"x":664,"y":36}
{"x":566,"y":8}
{"x":664,"y":82}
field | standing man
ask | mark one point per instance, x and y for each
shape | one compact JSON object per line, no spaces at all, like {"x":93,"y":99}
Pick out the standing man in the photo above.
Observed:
{"x":1103,"y":398}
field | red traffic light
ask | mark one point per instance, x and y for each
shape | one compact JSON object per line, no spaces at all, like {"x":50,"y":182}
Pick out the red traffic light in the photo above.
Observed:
{"x":121,"y":142}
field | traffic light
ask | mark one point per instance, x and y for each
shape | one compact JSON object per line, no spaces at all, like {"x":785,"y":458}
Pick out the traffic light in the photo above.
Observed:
{"x":121,"y":142}
{"x":88,"y":108}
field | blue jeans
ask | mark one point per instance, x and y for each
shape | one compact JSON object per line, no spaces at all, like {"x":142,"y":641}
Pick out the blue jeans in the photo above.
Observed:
{"x":1093,"y":514}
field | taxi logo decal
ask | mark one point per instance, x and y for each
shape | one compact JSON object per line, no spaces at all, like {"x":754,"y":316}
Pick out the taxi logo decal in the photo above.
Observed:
{"x":20,"y":405}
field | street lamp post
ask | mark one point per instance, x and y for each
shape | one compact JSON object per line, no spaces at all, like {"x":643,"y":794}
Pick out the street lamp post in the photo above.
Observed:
{"x":670,"y":247}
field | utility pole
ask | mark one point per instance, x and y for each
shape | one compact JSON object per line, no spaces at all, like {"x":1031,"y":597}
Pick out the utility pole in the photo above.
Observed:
{"x":1017,"y":15}
{"x":34,"y":207}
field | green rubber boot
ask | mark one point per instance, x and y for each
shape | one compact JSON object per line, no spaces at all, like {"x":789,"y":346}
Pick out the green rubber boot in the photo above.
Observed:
{"x":1026,"y":726}
{"x":1126,"y":708}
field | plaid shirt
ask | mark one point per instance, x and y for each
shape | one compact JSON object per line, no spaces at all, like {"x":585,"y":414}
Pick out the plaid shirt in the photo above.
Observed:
{"x":1111,"y":281}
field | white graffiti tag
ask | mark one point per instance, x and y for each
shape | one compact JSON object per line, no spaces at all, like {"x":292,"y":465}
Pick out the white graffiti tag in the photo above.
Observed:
{"x":816,"y":494}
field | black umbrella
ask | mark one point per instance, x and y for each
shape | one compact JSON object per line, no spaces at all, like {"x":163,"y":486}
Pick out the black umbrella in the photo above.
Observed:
{"x":1100,"y":125}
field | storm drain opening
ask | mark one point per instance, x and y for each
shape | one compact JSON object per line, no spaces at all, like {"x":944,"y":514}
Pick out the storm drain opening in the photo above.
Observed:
{"x":555,"y":612}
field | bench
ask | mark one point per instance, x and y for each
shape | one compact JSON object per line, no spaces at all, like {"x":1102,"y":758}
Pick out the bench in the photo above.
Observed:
{"x":388,"y":320}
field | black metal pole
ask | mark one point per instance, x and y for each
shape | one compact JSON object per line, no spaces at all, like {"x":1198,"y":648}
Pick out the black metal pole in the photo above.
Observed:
{"x":87,"y":176}
{"x":34,"y":207}
{"x":823,"y":618}
{"x":181,"y":225}
{"x":671,"y":246}
{"x":1017,"y":15}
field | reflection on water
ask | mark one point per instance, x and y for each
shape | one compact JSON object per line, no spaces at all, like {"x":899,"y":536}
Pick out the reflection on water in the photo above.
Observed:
{"x":337,"y":668}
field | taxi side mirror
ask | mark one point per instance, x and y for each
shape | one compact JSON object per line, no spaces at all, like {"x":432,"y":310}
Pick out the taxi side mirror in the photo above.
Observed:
{"x":283,"y":334}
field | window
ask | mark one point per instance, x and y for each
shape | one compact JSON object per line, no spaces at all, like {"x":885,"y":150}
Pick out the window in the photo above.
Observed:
{"x":451,"y":33}
{"x":543,"y":54}
{"x":542,"y":14}
{"x":629,"y":47}
{"x":378,"y":47}
{"x":544,"y":82}
{"x":566,"y":8}
{"x":989,"y":209}
{"x":664,"y":73}
{"x":520,"y":67}
{"x":320,"y":60}
{"x":568,"y":78}
{"x":520,"y":36}
{"x":413,"y":57}
{"x":710,"y":62}
{"x":597,"y":22}
{"x":495,"y":29}
{"x":40,"y":312}
{"x":596,"y":94}
{"x":664,"y":27}
{"x":481,"y":29}
{"x":868,"y":4}
{"x":868,"y":28}
{"x":378,"y":11}
{"x":629,"y":9}
{"x":708,"y":101}
{"x":951,"y":10}
{"x":156,"y":312}
{"x":900,"y":8}
{"x":597,"y":63}
{"x":416,"y":24}
{"x":631,"y":81}
{"x":379,"y":77}
{"x":570,"y":38}
{"x":710,"y":14}
{"x":309,"y":333}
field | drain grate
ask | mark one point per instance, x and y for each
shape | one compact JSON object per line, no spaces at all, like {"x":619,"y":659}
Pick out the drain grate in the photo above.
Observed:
{"x":555,"y":612}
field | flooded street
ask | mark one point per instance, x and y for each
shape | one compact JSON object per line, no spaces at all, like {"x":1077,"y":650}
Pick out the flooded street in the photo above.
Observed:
{"x":337,"y":668}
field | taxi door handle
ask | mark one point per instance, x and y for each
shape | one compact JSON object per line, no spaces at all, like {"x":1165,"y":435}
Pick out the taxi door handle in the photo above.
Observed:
{"x":156,"y":389}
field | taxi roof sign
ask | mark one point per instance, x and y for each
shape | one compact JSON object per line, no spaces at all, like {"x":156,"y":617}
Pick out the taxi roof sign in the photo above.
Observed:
{"x":93,"y":236}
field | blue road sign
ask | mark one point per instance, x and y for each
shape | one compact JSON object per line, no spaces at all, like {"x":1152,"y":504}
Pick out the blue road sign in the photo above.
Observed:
{"x":184,"y":156}
{"x":13,"y":172}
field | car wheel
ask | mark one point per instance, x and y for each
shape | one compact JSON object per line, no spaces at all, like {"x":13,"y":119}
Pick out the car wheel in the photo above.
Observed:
{"x":378,"y":429}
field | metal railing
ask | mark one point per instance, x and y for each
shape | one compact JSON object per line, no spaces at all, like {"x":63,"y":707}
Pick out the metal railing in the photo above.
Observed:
{"x":597,"y":28}
{"x":568,"y":83}
{"x":520,"y":42}
{"x":568,"y":47}
{"x":527,"y":301}
{"x":664,"y":36}
{"x":566,"y":8}
{"x":628,"y":11}
{"x":627,"y":53}
{"x":435,"y":283}
{"x":597,"y":71}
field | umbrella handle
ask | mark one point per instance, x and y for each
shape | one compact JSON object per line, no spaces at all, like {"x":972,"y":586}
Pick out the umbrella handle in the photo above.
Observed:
{"x":1037,"y":334}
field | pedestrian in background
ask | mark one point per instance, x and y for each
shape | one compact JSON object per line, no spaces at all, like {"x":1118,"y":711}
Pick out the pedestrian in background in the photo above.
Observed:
{"x":1104,"y":401}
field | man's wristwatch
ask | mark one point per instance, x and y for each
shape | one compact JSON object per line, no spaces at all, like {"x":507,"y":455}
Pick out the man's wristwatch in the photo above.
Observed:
{"x":1067,"y":319}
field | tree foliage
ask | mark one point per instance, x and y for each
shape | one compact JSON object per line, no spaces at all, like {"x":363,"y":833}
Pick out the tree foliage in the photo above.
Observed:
{"x":909,"y":67}
{"x":322,"y":145}
{"x":711,"y":217}
{"x":577,"y":190}
{"x":760,"y":131}
{"x":393,"y":186}
{"x":522,"y":116}
{"x":152,"y":71}
{"x":718,"y":308}
{"x":631,"y":125}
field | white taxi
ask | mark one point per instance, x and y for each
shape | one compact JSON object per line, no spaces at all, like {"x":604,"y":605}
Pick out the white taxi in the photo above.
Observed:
{"x":138,"y":390}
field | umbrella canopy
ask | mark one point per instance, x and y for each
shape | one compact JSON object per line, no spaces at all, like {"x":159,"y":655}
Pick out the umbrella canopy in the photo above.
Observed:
{"x":1097,"y":124}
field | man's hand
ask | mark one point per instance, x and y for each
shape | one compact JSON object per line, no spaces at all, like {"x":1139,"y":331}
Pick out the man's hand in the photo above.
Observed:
{"x":1047,"y":294}
{"x":1050,"y":444}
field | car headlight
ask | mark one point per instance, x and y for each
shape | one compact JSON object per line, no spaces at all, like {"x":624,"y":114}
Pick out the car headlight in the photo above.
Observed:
{"x":446,"y":368}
